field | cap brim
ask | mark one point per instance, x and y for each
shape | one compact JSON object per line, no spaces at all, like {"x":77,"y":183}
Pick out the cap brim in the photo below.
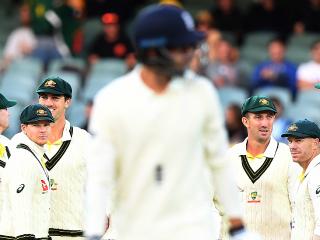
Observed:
{"x":262,"y":109}
{"x":295,"y":134}
{"x":317,"y":85}
{"x":51,"y":91}
{"x":10,"y":103}
{"x":40,"y":119}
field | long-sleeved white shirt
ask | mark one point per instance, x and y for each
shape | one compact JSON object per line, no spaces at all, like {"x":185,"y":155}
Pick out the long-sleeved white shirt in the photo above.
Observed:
{"x":5,"y":152}
{"x":26,"y":203}
{"x":266,"y":188}
{"x":155,"y":152}
{"x":306,"y":210}
{"x":68,"y":173}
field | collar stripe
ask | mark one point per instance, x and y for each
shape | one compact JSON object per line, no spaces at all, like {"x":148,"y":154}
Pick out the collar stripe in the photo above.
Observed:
{"x":51,"y":162}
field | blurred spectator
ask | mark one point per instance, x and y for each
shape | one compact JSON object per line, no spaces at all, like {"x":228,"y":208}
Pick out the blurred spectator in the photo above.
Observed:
{"x":112,"y":42}
{"x":70,"y":13}
{"x":224,"y":71}
{"x":309,"y":73}
{"x":21,"y":41}
{"x":207,"y":51}
{"x":235,"y":129}
{"x":204,"y":21}
{"x":308,"y":19}
{"x":266,"y":15}
{"x":228,"y":18}
{"x":46,"y":25}
{"x":276,"y":71}
{"x":281,"y":123}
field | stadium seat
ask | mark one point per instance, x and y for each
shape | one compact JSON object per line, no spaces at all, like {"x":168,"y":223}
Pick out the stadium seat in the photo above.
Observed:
{"x":230,"y":95}
{"x":19,"y":87}
{"x":259,"y":39}
{"x":253,"y":54}
{"x":67,"y":63}
{"x":303,"y":40}
{"x":283,"y":94}
{"x":112,"y":66}
{"x":298,"y":55}
{"x":28,"y":66}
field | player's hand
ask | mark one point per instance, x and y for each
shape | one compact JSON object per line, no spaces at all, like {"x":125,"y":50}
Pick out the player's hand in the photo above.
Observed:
{"x":245,"y":235}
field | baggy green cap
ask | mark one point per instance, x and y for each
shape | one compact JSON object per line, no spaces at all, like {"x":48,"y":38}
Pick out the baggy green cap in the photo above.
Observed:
{"x":303,"y":129}
{"x":35,"y":113}
{"x":56,"y":86}
{"x":5,"y":103}
{"x":257,"y":104}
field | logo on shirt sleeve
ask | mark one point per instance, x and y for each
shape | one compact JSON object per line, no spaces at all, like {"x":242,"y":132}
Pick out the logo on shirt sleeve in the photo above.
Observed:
{"x":20,"y":188}
{"x":318,"y":191}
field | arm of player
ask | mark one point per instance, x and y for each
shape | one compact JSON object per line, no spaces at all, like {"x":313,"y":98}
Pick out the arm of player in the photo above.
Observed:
{"x":21,"y":189}
{"x":314,"y":192}
{"x":216,"y":146}
{"x":99,"y":186}
{"x":100,"y":167}
{"x":294,"y":170}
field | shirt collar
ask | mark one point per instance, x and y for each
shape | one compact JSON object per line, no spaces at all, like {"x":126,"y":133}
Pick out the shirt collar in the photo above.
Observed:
{"x":312,"y":164}
{"x":269,"y":152}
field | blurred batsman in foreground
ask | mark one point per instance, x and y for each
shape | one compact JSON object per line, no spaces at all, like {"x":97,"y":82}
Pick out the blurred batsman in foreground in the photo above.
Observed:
{"x":158,"y":141}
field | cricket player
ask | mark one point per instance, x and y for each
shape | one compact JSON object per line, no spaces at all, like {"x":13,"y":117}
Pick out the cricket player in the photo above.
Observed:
{"x":5,"y":144}
{"x":304,"y":142}
{"x":26,"y":205}
{"x":264,"y":171}
{"x":65,"y":160}
{"x":158,"y":136}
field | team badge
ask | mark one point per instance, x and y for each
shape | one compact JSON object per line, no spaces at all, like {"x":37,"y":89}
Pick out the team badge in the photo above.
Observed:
{"x":293,"y":127}
{"x":264,"y":102}
{"x":50,"y":83}
{"x":254,"y":197}
{"x":42,"y":112}
{"x":53,"y":184}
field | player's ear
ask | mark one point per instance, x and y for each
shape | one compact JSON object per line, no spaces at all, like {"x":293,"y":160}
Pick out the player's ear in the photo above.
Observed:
{"x":244,"y":121}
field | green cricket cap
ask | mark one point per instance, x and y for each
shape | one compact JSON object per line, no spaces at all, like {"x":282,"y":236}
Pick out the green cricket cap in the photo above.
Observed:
{"x":257,"y":104}
{"x":5,"y":103}
{"x":35,"y":113}
{"x":56,"y":86}
{"x":302,"y":129}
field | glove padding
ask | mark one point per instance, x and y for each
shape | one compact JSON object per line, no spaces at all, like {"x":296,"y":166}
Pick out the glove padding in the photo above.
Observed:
{"x":245,"y":235}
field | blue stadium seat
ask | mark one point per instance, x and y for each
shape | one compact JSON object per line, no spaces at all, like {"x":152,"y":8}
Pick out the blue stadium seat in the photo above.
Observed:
{"x":230,"y":95}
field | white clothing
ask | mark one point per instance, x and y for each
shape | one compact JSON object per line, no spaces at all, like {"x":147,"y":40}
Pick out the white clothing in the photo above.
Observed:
{"x":68,"y":177}
{"x":26,"y":205}
{"x":154,"y":151}
{"x":309,"y":72}
{"x":5,"y":152}
{"x":306,"y":210}
{"x":18,"y":40}
{"x":266,"y":186}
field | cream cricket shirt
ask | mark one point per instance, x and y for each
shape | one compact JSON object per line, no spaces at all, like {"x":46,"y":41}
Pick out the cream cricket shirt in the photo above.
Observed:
{"x":5,"y":152}
{"x":26,"y":205}
{"x":67,"y":168}
{"x":266,"y":186}
{"x":306,"y":210}
{"x":156,"y":151}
